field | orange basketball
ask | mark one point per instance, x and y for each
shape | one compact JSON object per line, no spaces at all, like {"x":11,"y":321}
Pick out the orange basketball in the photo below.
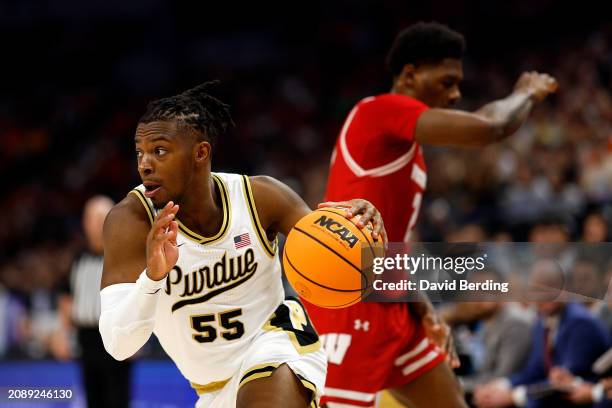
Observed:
{"x":323,"y":258}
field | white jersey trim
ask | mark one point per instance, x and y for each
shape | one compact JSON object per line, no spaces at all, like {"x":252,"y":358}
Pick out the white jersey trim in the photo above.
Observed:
{"x":330,"y":404}
{"x":379,"y":171}
{"x":409,"y":369}
{"x":412,"y":353}
{"x":348,"y":394}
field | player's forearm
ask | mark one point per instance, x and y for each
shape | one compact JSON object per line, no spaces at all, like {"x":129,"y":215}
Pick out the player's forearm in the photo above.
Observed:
{"x":510,"y":113}
{"x":128,"y":315}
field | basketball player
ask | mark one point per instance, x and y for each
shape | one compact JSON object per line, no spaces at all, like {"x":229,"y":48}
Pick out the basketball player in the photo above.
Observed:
{"x":209,"y":285}
{"x":376,"y":346}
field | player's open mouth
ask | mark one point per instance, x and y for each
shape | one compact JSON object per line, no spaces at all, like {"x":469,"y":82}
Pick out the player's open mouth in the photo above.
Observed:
{"x":151,"y":189}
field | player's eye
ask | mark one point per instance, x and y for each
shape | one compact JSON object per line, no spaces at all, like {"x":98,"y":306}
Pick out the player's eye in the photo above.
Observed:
{"x":160,"y":151}
{"x":138,"y":154}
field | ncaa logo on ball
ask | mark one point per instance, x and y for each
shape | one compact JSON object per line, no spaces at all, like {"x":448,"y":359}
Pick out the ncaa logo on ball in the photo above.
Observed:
{"x":337,"y":229}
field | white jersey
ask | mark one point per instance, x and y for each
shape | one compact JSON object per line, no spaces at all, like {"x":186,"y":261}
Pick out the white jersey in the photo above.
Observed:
{"x":222,"y":290}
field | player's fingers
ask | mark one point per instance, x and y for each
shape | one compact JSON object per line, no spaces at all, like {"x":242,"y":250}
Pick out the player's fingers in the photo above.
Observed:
{"x":342,"y":205}
{"x":378,"y":224}
{"x":164,"y":217}
{"x":453,"y":358}
{"x":450,"y":346}
{"x":546,"y":77}
{"x":161,"y":227}
{"x":367,"y":216}
{"x":169,"y":208}
{"x":358,"y":207}
{"x":172,"y":232}
{"x":326,"y":204}
{"x":166,"y":210}
{"x":337,"y":204}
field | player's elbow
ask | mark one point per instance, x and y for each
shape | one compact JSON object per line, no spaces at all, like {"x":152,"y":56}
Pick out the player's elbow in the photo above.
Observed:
{"x":116,"y":350}
{"x":120,"y":344}
{"x":117,"y":354}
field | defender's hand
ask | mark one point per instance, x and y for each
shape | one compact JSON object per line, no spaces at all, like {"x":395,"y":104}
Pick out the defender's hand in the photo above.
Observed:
{"x":440,"y":333}
{"x":162,"y":251}
{"x":537,"y":84}
{"x":368,"y":213}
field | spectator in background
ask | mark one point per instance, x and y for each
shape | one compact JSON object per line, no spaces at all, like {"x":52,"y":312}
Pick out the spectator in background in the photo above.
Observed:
{"x":594,"y":237}
{"x":582,"y":392}
{"x":501,"y":339}
{"x":595,"y":228}
{"x":505,"y":337}
{"x":566,"y":335}
{"x":106,"y":380}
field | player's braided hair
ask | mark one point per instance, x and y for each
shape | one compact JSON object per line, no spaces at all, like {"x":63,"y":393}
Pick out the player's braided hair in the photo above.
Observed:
{"x":424,"y":43}
{"x":194,"y":107}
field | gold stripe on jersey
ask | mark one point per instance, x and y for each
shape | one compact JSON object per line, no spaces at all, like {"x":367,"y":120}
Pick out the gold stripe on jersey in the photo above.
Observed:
{"x":309,"y":385}
{"x":267,"y":369}
{"x":225,"y":204}
{"x":144,"y":202}
{"x":258,"y":371}
{"x":270,"y":247}
{"x":210,"y":387}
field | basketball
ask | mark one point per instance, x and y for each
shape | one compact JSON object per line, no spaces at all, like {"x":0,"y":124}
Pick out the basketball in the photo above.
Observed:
{"x":327,"y":256}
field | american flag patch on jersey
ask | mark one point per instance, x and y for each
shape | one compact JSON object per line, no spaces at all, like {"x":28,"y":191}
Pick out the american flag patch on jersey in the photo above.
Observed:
{"x":242,"y":240}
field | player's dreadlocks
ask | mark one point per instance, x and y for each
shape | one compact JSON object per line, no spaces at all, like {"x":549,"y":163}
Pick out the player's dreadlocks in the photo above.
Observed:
{"x":194,"y":107}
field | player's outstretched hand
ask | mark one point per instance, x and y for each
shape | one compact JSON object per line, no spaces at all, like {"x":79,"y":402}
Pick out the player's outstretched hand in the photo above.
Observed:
{"x":162,"y":251}
{"x":368,"y":213}
{"x":537,"y":84}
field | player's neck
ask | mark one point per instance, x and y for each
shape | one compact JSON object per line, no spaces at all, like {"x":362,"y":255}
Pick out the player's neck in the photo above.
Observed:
{"x":404,"y":91}
{"x":201,"y":209}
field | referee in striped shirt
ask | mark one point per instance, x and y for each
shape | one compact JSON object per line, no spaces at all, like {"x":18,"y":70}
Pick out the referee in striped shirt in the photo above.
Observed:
{"x":106,"y":380}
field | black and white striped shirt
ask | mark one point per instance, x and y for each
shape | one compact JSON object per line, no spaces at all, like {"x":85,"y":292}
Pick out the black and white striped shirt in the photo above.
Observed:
{"x":85,"y":279}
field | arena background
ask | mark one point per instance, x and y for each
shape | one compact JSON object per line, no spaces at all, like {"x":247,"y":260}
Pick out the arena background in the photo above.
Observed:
{"x":76,"y":76}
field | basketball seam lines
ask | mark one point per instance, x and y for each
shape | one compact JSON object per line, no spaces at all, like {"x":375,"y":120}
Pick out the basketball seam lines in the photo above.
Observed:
{"x":330,"y":248}
{"x":316,"y":283}
{"x":335,"y":252}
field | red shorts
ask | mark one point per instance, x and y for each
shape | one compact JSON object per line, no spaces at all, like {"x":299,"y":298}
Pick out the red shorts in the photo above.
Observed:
{"x":371,"y":347}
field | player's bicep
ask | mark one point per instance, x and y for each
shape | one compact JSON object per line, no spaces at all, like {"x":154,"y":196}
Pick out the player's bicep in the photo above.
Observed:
{"x":446,"y":127}
{"x":278,"y":205}
{"x":124,"y":246}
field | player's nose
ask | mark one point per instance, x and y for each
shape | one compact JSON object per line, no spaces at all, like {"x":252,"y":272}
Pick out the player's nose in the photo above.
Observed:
{"x":145,"y":166}
{"x":454,"y":97}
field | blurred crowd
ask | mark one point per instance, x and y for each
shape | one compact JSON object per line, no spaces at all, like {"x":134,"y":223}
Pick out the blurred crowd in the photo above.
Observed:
{"x":69,"y":137}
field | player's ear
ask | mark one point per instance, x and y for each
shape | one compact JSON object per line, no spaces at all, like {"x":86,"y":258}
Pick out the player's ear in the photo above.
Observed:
{"x":202,"y":152}
{"x":405,"y":79}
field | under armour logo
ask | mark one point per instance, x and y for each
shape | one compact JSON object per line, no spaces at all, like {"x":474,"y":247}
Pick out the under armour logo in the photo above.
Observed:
{"x":359,"y":325}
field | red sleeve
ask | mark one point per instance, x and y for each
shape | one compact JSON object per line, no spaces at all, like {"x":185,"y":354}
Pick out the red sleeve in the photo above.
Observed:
{"x":394,"y":115}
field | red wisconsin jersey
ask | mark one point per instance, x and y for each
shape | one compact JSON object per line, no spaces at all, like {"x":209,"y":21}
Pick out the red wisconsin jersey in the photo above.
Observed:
{"x":377,"y":158}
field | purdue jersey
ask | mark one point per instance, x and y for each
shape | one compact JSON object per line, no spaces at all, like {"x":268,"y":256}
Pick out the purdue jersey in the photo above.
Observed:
{"x":222,"y":290}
